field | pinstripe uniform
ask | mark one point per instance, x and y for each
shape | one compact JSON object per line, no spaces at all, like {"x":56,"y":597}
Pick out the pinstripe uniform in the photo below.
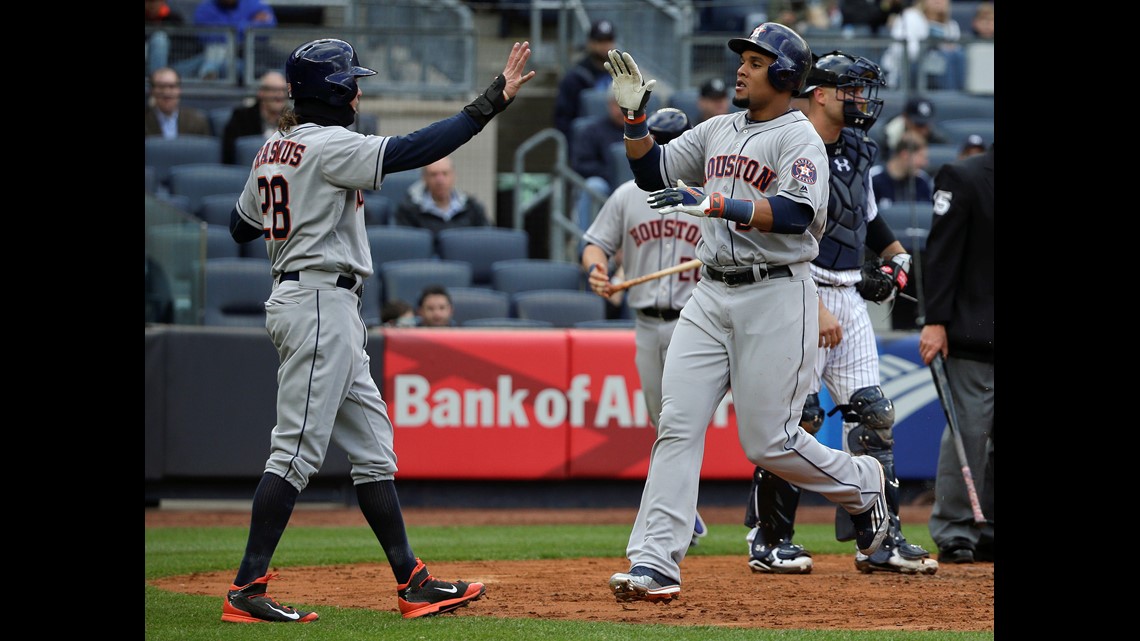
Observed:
{"x":853,"y":363}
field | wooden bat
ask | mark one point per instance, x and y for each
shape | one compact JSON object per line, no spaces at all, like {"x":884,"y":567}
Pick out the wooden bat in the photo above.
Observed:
{"x":687,"y":265}
{"x":942,"y":385}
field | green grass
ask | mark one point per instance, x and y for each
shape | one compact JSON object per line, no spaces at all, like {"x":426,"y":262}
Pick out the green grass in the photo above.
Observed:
{"x":180,"y":617}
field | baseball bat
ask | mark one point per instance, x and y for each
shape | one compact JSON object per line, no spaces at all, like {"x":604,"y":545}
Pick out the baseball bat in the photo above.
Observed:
{"x":687,"y":265}
{"x":942,"y":385}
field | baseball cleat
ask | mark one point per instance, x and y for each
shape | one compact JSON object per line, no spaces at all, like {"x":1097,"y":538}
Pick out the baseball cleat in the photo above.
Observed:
{"x":250,"y":604}
{"x":871,"y":526}
{"x":783,"y":558}
{"x":424,"y":595}
{"x":631,"y":587}
{"x":885,"y":560}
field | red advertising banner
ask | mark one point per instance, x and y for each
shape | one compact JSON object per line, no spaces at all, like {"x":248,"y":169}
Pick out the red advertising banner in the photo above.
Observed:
{"x":529,"y":404}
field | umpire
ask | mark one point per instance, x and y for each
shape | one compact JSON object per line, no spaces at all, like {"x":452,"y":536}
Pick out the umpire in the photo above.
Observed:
{"x":958,"y":279}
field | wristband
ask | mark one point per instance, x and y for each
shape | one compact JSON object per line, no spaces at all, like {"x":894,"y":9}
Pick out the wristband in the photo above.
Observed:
{"x":738,"y":211}
{"x":637,"y":127}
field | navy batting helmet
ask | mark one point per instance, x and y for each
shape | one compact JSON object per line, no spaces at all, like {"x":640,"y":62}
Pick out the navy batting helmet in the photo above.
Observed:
{"x":667,"y":123}
{"x":793,"y":56}
{"x":848,"y":72}
{"x":325,"y":70}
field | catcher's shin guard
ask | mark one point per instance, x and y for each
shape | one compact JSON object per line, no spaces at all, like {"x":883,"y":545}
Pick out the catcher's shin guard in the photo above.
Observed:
{"x":772,"y":507}
{"x":872,"y":435}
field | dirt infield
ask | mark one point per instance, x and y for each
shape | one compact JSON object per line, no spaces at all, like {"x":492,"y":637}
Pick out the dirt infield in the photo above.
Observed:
{"x":717,"y":590}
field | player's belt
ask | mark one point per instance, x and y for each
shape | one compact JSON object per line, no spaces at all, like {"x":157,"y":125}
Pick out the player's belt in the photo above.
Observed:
{"x":746,"y":276}
{"x":663,"y":314}
{"x":342,"y":281}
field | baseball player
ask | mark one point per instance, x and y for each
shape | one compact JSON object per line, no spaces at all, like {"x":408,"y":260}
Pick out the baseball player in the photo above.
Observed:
{"x":752,"y":320}
{"x":304,"y":198}
{"x":647,"y":242}
{"x":842,"y":104}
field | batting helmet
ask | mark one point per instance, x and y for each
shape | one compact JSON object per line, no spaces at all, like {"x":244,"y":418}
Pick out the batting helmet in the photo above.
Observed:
{"x":667,"y":123}
{"x":793,"y":56}
{"x":848,"y":72}
{"x":325,"y":70}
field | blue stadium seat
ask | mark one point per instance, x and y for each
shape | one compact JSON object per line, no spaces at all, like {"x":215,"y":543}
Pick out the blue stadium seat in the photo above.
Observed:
{"x":481,"y":247}
{"x":406,"y":279}
{"x":560,"y":307}
{"x":470,"y":303}
{"x":198,"y":180}
{"x":162,"y":154}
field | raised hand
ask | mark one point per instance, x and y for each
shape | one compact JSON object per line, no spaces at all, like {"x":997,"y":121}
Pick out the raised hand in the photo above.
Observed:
{"x":513,"y":72}
{"x":630,"y":90}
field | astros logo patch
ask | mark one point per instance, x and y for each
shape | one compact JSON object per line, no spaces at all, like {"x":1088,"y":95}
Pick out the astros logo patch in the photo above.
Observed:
{"x":804,"y":171}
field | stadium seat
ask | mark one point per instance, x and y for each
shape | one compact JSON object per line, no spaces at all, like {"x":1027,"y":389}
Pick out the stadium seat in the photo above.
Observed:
{"x":406,"y":279}
{"x":162,"y":154}
{"x":245,"y":148}
{"x":235,"y":291}
{"x":481,"y":247}
{"x":560,"y":307}
{"x":198,"y":180}
{"x":470,"y":303}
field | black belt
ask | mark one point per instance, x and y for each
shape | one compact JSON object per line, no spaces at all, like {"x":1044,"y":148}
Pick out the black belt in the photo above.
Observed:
{"x":663,"y":314}
{"x":745,"y":276}
{"x":342,"y":281}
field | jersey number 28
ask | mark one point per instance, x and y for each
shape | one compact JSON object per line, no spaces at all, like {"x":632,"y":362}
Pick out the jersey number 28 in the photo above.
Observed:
{"x":275,"y":214}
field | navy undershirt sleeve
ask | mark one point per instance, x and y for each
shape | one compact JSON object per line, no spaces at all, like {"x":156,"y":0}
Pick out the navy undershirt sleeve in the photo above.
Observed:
{"x":645,"y":172}
{"x":429,"y":144}
{"x":790,"y":217}
{"x":879,"y":235}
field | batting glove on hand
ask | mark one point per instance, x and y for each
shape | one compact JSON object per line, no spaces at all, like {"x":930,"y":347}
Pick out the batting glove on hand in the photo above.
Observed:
{"x":630,"y":90}
{"x":682,"y":198}
{"x":691,"y":201}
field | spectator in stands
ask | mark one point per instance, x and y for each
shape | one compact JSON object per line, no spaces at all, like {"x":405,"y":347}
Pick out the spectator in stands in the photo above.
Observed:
{"x":397,"y":313}
{"x":903,"y":178}
{"x":590,"y":157}
{"x":434,"y":203}
{"x":713,"y":99}
{"x":982,"y":24}
{"x":939,"y":66}
{"x":872,"y":15}
{"x":918,"y":116}
{"x":588,"y":73}
{"x":242,"y":15}
{"x":800,"y":15}
{"x":435,"y":308}
{"x":165,"y":116}
{"x":980,"y":52}
{"x":159,"y":14}
{"x":260,"y":118}
{"x":973,"y":146}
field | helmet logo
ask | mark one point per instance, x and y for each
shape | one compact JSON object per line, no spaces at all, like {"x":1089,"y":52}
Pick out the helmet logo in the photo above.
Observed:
{"x":803,"y":170}
{"x":759,"y":30}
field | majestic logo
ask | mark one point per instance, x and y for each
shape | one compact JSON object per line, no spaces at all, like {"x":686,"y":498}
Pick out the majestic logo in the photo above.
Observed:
{"x":804,"y":171}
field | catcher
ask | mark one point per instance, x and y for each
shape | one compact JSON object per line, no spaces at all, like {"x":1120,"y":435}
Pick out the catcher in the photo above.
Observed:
{"x":841,"y":95}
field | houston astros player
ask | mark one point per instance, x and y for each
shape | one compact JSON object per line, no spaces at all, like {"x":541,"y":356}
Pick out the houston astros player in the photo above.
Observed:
{"x":752,"y":321}
{"x":647,"y":241}
{"x":303,"y":198}
{"x":842,"y":103}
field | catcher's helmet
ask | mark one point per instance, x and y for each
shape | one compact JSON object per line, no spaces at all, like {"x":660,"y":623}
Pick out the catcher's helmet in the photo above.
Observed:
{"x":793,"y":56}
{"x":848,"y":72}
{"x":667,"y":123}
{"x":326,"y":70}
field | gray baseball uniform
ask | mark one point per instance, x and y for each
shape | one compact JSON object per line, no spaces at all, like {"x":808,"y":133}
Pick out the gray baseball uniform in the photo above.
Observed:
{"x":304,"y":191}
{"x":758,"y":334}
{"x":648,"y":241}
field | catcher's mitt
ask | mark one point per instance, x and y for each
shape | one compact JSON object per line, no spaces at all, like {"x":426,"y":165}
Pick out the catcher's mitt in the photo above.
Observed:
{"x":876,"y":284}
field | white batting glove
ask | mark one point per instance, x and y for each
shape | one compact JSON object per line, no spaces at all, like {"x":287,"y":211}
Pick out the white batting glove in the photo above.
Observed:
{"x":682,"y":198}
{"x":630,"y":89}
